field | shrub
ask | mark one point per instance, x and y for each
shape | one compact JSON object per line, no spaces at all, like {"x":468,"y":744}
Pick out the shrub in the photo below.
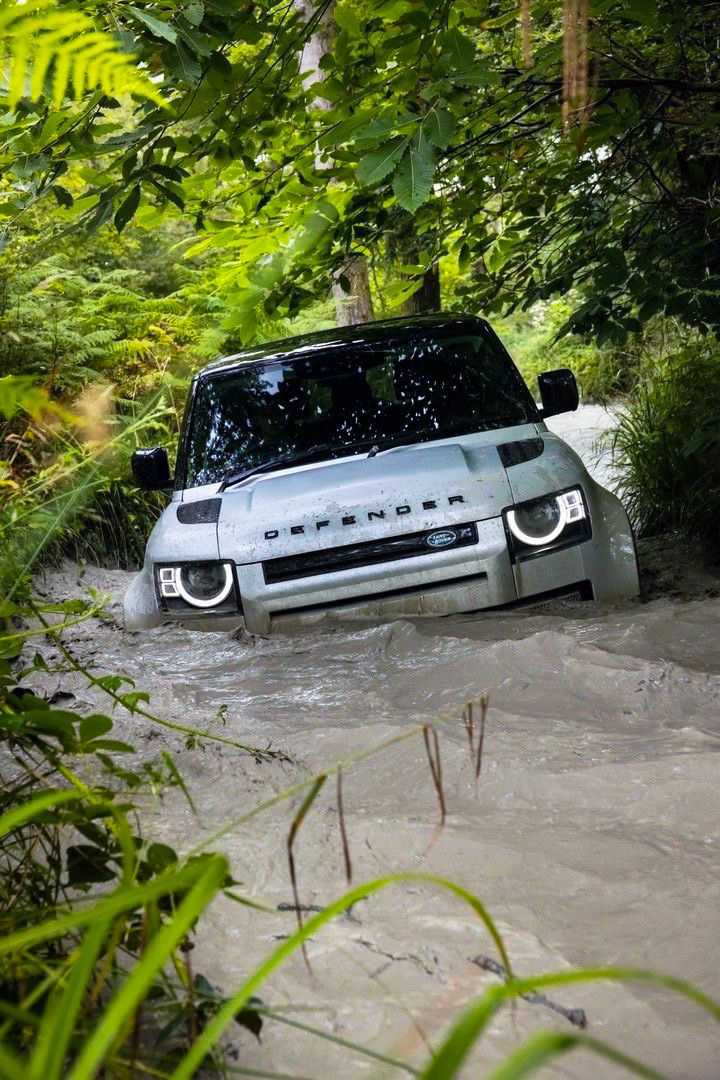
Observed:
{"x":530,"y":338}
{"x":65,"y":487}
{"x":667,"y":445}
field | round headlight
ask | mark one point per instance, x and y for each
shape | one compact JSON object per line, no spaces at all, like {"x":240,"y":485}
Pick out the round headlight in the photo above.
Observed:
{"x":204,"y":584}
{"x":538,"y":522}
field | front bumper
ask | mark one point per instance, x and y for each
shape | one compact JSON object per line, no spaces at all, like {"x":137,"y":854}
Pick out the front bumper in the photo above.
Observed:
{"x":464,"y":579}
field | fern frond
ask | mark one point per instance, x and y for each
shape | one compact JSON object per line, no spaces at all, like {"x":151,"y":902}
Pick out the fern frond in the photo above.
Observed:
{"x":137,"y":349}
{"x":37,"y":39}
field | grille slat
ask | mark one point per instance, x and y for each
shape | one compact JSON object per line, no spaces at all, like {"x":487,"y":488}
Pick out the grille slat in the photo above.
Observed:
{"x":368,"y":553}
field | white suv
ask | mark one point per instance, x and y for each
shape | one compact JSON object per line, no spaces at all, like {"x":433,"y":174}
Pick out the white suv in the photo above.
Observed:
{"x":392,"y":469}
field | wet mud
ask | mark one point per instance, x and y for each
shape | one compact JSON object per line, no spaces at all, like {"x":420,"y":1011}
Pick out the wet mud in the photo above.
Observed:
{"x":592,"y":833}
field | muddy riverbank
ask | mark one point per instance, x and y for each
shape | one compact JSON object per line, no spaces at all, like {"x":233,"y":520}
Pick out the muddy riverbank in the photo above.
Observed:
{"x":593,"y":834}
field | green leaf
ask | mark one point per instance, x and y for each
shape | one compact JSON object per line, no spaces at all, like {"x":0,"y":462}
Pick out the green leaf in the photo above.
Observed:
{"x":464,"y":257}
{"x":375,"y":166}
{"x":19,"y":815}
{"x":169,"y":194}
{"x":91,"y":727}
{"x":111,"y":744}
{"x":643,"y":12}
{"x":132,"y":699}
{"x":198,"y":42}
{"x":347,"y":19}
{"x":367,"y":127}
{"x":126,"y":210}
{"x":103,"y":213}
{"x":133,"y":990}
{"x":500,"y":252}
{"x":439,"y":127}
{"x":194,"y":12}
{"x":19,"y":393}
{"x":160,"y":857}
{"x":251,"y":1020}
{"x":189,"y":64}
{"x":499,"y":21}
{"x":393,"y":10}
{"x":87,"y":864}
{"x":458,"y":51}
{"x":156,"y":27}
{"x":413,"y":178}
{"x":62,"y":195}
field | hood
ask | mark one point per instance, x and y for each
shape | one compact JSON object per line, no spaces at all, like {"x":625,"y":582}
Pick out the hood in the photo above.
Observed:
{"x":328,"y":504}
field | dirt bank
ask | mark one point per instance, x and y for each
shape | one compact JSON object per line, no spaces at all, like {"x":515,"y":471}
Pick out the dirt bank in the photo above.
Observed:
{"x":592,"y":835}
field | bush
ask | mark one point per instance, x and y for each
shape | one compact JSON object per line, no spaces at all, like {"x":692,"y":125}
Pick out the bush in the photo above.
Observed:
{"x":667,"y":445}
{"x":65,"y":487}
{"x":530,"y":338}
{"x":94,"y":917}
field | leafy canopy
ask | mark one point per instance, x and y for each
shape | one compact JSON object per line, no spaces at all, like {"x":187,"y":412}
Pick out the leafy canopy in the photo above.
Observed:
{"x":432,"y":116}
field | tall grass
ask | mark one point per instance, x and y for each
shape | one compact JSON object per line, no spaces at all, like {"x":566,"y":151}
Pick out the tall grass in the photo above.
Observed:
{"x":666,"y":446}
{"x":64,"y":488}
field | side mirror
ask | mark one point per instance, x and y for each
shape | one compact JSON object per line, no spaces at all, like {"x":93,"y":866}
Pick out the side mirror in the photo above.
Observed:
{"x":558,"y":392}
{"x":151,"y":469}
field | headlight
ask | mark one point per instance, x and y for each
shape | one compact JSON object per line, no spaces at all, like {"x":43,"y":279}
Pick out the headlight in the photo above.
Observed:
{"x":200,"y":584}
{"x":550,"y":522}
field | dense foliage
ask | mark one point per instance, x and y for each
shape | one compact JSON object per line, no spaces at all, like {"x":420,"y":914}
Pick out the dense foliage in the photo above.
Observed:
{"x":181,"y":177}
{"x":542,"y":161}
{"x":82,"y":974}
{"x":667,"y":445}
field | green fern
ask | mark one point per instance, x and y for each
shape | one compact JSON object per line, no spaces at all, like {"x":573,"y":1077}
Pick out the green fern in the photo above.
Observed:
{"x":42,"y":46}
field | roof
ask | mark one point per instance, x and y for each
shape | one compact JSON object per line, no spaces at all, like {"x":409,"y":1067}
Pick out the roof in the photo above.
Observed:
{"x":392,"y":329}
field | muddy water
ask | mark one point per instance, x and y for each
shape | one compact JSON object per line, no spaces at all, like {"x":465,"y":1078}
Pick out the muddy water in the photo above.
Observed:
{"x":593,"y":834}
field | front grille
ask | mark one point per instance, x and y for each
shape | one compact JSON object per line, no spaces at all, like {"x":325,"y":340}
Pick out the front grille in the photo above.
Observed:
{"x":352,"y":556}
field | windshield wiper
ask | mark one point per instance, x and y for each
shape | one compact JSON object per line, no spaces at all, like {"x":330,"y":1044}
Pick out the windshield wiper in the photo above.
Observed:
{"x":293,"y":459}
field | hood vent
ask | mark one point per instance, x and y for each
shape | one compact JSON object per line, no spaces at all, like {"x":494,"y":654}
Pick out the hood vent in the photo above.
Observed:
{"x":200,"y":512}
{"x":515,"y":453}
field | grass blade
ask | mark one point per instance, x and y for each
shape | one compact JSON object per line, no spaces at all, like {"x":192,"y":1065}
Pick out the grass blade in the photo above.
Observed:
{"x":294,"y":828}
{"x":433,"y":755}
{"x":546,"y":1045}
{"x":214,"y":1029}
{"x":481,"y":736}
{"x":11,"y":1068}
{"x":59,"y":1021}
{"x":469,"y":1027}
{"x":141,"y":978}
{"x":347,"y":861}
{"x":117,"y":902}
{"x":13,"y":819}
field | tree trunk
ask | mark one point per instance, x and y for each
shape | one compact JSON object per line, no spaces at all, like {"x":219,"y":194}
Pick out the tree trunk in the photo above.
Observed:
{"x":427,"y":298}
{"x":406,"y":248}
{"x":355,"y":305}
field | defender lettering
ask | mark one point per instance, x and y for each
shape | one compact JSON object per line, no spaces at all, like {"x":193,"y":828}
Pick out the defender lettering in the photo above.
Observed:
{"x":351,"y":519}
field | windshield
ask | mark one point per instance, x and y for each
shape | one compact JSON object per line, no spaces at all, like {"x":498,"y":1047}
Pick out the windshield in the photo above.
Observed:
{"x":346,"y":398}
